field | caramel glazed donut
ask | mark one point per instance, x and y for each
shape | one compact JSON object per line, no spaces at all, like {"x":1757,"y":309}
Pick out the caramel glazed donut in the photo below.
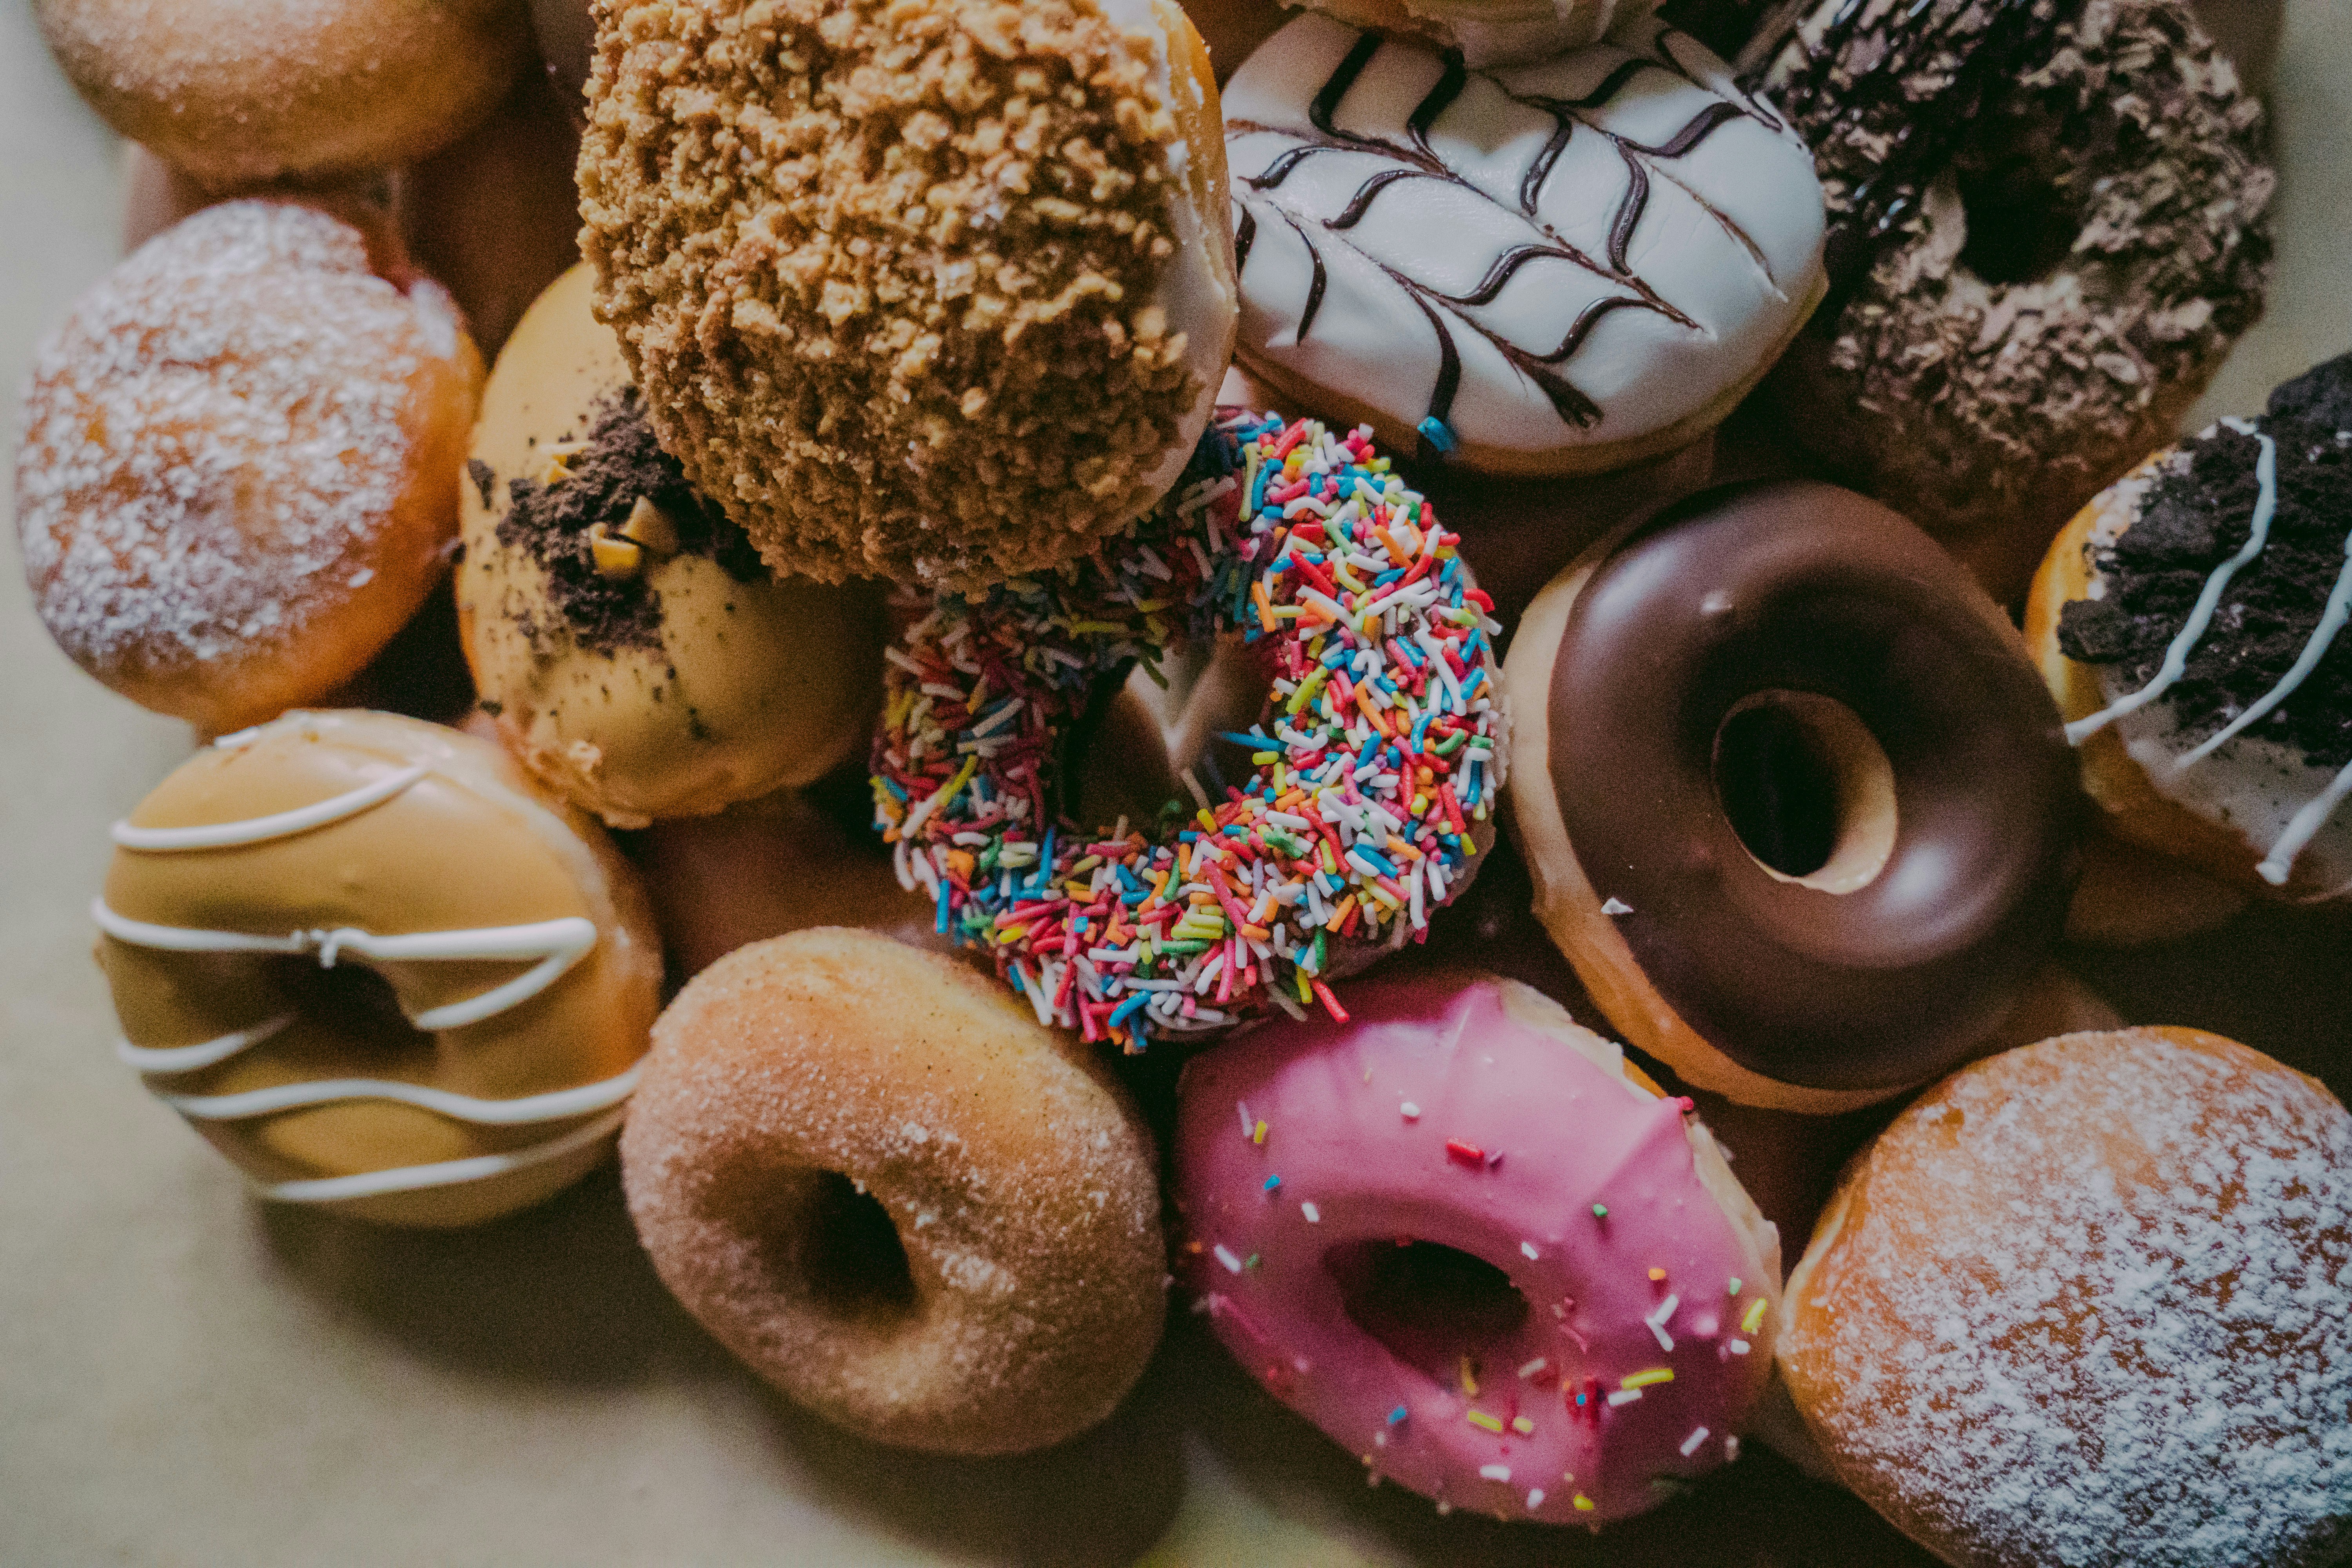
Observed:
{"x":433,"y":1082}
{"x":1808,"y":827}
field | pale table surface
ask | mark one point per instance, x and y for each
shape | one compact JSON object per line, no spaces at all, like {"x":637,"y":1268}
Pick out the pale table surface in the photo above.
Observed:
{"x":187,"y":1377}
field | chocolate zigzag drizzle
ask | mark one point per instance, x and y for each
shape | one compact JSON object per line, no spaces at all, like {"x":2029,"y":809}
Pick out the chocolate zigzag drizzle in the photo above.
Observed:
{"x":1416,"y":160}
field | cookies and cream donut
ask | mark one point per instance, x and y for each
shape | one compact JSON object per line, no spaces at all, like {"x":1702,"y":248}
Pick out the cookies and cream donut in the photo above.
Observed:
{"x":239,"y":472}
{"x":928,"y":291}
{"x":2190,"y":622}
{"x":627,"y":637}
{"x":378,"y":968}
{"x":1796,"y":805}
{"x":2081,"y":1303}
{"x":249,"y":91}
{"x":1552,"y":268}
{"x":902,"y":1200}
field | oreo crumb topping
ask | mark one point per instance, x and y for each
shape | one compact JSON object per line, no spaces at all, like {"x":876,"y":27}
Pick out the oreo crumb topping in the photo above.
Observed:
{"x":2320,"y":395}
{"x":619,"y":463}
{"x":2197,"y":512}
{"x":486,"y":483}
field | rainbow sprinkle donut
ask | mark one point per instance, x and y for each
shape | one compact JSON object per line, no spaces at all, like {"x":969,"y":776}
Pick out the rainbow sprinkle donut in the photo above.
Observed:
{"x":1376,"y":761}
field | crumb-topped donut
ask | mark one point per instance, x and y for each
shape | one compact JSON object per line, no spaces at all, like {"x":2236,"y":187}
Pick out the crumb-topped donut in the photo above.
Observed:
{"x":378,"y":968}
{"x":1800,"y":811}
{"x":1468,"y":1240}
{"x":975,"y":317}
{"x":2047,"y":227}
{"x":1373,"y":764}
{"x":627,"y":637}
{"x":1559,"y":268}
{"x":2082,"y":1303}
{"x":239,"y":472}
{"x":904,"y":1202}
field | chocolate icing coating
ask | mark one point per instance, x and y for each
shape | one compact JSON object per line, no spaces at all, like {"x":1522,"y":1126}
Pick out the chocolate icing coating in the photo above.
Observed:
{"x":1797,"y":586}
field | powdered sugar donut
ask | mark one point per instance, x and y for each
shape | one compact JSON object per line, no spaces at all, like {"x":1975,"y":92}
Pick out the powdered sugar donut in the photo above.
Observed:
{"x":240,"y":469}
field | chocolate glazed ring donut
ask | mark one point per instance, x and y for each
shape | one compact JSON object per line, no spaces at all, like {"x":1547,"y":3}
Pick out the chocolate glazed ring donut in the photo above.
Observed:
{"x":1822,"y":816}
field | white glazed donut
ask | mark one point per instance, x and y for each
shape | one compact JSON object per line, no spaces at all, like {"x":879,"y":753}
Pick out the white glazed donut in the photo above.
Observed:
{"x":1559,"y":268}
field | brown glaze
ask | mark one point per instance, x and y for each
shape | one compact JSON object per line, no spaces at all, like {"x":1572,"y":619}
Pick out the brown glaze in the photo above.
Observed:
{"x":1797,"y":586}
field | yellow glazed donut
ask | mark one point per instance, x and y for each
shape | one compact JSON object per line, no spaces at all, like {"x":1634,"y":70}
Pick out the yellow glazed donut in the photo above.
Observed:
{"x":378,"y":968}
{"x":633,"y":649}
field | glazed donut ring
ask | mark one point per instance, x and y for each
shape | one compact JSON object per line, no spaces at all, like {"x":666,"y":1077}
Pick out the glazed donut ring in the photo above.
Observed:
{"x":1802,"y":813}
{"x":1373,"y":765}
{"x":519,"y":968}
{"x":250,"y":91}
{"x":812,"y":1097}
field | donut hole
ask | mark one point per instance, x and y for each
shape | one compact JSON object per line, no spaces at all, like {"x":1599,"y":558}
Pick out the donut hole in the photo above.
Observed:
{"x":1807,"y":789}
{"x":351,"y":1003}
{"x":848,"y":1252}
{"x":1433,"y":1307}
{"x":2020,"y":224}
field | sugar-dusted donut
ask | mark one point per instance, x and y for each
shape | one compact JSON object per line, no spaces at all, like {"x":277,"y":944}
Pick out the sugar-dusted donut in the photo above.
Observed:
{"x":1466,"y":1238}
{"x":1372,"y":771}
{"x":922,"y":289}
{"x":2048,"y":223}
{"x":378,"y":968}
{"x":1555,"y":269}
{"x":1796,"y":805}
{"x":2190,"y":621}
{"x":630,"y":642}
{"x":907,"y":1205}
{"x":239,"y":473}
{"x":2082,"y":1303}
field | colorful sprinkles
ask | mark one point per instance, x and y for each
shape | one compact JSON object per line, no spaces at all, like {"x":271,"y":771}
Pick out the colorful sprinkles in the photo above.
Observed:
{"x":1377,"y":752}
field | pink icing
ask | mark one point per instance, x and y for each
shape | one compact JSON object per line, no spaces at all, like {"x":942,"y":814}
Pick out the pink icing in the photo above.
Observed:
{"x":1436,"y":1114}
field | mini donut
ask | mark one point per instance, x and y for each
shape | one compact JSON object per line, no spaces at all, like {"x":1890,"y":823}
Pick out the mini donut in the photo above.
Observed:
{"x":1373,"y":766}
{"x":1799,"y":811}
{"x":379,"y":969}
{"x":974,"y":319}
{"x":2081,"y":1303}
{"x":1558,"y":268}
{"x":872,"y":1176}
{"x":626,"y":635}
{"x":252,"y":91}
{"x":239,"y":472}
{"x":2047,"y":226}
{"x":2188,"y":621}
{"x":1469,"y":1241}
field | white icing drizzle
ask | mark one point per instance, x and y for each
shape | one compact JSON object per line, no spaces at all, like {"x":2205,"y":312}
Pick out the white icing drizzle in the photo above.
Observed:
{"x":557,"y":943}
{"x":202,"y":1055}
{"x":555,"y":1106}
{"x":261,"y":829}
{"x":447,"y":1173}
{"x":2331,"y":621}
{"x":2176,"y":656}
{"x":2304,"y":826}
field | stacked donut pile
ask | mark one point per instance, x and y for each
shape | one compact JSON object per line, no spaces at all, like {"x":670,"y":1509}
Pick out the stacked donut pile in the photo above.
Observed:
{"x":1000,"y":554}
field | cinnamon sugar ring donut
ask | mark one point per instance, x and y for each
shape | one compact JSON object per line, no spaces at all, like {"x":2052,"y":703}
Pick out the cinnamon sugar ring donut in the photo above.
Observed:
{"x":1802,"y":816}
{"x":378,"y":969}
{"x":1372,"y":769}
{"x":239,"y":473}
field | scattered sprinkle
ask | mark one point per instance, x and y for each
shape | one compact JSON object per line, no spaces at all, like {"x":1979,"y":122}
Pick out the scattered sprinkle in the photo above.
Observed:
{"x":1485,"y":1422}
{"x":1409,"y":1110}
{"x":1522,"y":1425}
{"x":1539,"y":1365}
{"x":1624,"y":1396}
{"x":1272,"y":1183}
{"x":1225,"y":1255}
{"x":1691,"y":1443}
{"x":1528,"y":1250}
{"x":1584,"y":1504}
{"x":1646,"y":1377}
{"x":1535,"y":1499}
{"x":1494,"y":1473}
{"x":1600,"y":1211}
{"x":1657,"y":1276}
{"x":1657,"y":1321}
{"x":1737,"y":1347}
{"x":1616,"y":907}
{"x":1396,"y":1417}
{"x":1735,"y":1285}
{"x":1314,"y":1215}
{"x":1466,"y":1154}
{"x":1753,"y":1319}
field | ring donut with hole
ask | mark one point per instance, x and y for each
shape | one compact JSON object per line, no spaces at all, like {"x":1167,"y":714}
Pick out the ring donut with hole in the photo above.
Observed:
{"x":1370,"y":772}
{"x":1796,"y":807}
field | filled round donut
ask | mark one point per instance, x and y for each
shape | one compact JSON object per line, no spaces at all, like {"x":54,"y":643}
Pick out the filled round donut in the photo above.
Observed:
{"x":1371,"y":770}
{"x":1557,"y":268}
{"x":2080,"y":1304}
{"x":2048,"y":225}
{"x":965,"y":319}
{"x":876,"y":1178}
{"x":625,"y":637}
{"x":239,"y":472}
{"x":378,"y":968}
{"x":250,"y":91}
{"x":1796,"y":805}
{"x":1468,"y":1240}
{"x":2190,"y":622}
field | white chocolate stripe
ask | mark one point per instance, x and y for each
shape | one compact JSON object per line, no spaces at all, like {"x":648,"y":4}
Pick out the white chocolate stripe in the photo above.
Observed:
{"x":2304,"y":826}
{"x":2331,"y":621}
{"x":2176,"y":656}
{"x":261,"y":829}
{"x":448,"y":1173}
{"x":555,"y":1106}
{"x":203,"y":1053}
{"x":558,"y":943}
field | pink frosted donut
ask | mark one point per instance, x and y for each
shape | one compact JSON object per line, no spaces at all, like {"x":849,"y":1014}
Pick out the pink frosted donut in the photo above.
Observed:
{"x":1463,"y":1236}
